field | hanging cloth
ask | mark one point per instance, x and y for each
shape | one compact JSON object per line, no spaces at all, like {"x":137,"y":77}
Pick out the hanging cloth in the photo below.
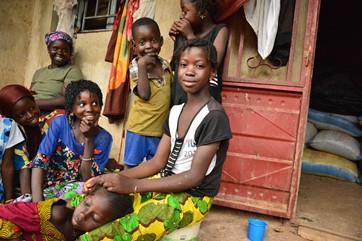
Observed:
{"x":226,"y":8}
{"x":118,"y":85}
{"x":66,"y":12}
{"x":263,"y":15}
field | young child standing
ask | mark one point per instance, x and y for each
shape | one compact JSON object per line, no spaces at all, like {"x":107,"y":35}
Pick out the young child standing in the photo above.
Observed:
{"x":197,"y":21}
{"x":58,"y":220}
{"x":189,"y":158}
{"x":151,"y":85}
{"x":75,"y":146}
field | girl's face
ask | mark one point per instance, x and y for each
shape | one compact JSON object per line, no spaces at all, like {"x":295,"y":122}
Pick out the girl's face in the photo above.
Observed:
{"x":194,"y":70}
{"x":93,"y":212}
{"x":190,"y":12}
{"x":26,"y":112}
{"x":86,"y":105}
{"x":59,"y":53}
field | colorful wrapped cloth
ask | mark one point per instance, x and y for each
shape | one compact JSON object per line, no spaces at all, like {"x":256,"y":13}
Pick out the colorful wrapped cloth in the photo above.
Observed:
{"x":58,"y":35}
{"x":155,"y":214}
{"x":31,"y":220}
{"x":118,"y":86}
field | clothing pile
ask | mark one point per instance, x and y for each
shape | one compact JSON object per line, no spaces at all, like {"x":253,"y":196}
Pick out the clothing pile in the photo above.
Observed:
{"x":332,"y":146}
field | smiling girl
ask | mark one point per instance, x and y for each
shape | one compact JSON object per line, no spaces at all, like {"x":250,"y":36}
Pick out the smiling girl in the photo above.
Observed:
{"x":189,"y":158}
{"x":75,"y":146}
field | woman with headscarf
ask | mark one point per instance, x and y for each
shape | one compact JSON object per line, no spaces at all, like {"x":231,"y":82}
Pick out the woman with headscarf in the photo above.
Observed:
{"x":48,"y":83}
{"x":18,"y":104}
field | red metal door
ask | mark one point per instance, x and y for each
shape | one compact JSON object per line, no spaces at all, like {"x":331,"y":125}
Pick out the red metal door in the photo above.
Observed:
{"x":267,"y":108}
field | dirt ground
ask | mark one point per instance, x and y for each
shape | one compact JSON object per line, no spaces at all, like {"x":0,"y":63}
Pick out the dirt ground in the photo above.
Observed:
{"x":324,"y":203}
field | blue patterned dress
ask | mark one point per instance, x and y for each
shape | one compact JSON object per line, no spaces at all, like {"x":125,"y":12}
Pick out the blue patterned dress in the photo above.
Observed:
{"x":59,"y":154}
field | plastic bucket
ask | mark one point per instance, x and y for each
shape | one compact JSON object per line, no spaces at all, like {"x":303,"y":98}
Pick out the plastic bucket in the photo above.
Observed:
{"x":256,"y":229}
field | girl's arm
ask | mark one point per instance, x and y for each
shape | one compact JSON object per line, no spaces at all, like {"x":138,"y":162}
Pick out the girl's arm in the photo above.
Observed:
{"x":220,"y":43}
{"x":175,"y":183}
{"x":7,"y":172}
{"x":146,"y":169}
{"x":40,"y":162}
{"x":89,"y":128}
{"x":37,"y":175}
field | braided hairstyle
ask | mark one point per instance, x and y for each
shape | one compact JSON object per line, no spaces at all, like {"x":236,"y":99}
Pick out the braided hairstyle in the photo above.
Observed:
{"x":75,"y":88}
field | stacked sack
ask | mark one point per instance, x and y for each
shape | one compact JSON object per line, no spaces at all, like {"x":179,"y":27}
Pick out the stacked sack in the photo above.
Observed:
{"x":331,"y":145}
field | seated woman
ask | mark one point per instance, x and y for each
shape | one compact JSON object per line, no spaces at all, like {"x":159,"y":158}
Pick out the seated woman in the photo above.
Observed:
{"x":56,"y":219}
{"x":189,"y":159}
{"x":75,"y":147}
{"x":48,"y":83}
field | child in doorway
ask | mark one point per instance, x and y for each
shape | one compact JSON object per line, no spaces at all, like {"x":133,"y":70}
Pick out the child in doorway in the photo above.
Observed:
{"x":57,"y":220}
{"x":189,"y":158}
{"x":151,"y":84}
{"x":75,"y":146}
{"x":197,"y":21}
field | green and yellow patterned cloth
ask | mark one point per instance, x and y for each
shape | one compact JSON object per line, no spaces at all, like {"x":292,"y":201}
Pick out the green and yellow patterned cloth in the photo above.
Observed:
{"x":155,"y":214}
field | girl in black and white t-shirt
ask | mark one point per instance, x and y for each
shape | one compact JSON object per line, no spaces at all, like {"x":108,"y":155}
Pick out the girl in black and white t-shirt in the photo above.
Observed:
{"x":189,"y":157}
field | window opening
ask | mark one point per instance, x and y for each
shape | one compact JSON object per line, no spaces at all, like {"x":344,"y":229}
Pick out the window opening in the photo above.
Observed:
{"x":96,"y":15}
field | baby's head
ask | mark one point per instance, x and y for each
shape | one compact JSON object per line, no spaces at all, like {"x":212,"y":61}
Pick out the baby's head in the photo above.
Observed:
{"x":146,"y":37}
{"x":60,"y":48}
{"x":83,"y":98}
{"x":196,"y":11}
{"x":18,"y":103}
{"x":100,"y":207}
{"x":197,"y":62}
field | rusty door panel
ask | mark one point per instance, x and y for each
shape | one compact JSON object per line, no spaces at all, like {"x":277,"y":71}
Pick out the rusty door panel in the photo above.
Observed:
{"x":259,"y":165}
{"x":268,"y":115}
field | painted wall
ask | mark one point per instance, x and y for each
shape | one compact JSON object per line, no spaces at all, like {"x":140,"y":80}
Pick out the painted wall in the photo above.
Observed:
{"x":167,"y":11}
{"x":15,"y":31}
{"x":24,"y":24}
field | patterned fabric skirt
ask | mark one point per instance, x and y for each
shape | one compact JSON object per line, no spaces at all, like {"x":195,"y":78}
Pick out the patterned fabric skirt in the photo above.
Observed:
{"x":155,"y":214}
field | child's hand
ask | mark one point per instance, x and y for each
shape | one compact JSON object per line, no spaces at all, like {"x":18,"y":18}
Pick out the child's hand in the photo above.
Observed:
{"x":89,"y":126}
{"x":148,"y":60}
{"x":173,"y":31}
{"x":113,"y":182}
{"x":183,"y":27}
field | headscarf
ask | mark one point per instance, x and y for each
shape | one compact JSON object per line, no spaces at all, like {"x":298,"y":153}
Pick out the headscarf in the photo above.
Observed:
{"x":58,"y":35}
{"x":9,"y":95}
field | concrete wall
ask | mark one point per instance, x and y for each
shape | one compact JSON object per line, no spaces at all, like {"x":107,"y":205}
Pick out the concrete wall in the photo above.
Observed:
{"x":15,"y":30}
{"x":22,"y":48}
{"x":167,"y":11}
